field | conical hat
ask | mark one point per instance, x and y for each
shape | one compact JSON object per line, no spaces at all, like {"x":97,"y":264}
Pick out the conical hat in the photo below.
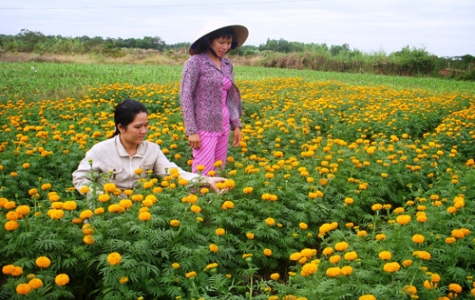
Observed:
{"x":241,"y":34}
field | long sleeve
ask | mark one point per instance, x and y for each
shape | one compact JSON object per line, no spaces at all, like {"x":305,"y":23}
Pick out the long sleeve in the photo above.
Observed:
{"x":190,"y":77}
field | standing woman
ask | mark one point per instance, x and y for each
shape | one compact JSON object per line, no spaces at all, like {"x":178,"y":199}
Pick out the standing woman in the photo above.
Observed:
{"x":210,"y":101}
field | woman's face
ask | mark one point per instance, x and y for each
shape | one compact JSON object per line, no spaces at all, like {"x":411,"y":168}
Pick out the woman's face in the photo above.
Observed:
{"x":221,"y":45}
{"x":135,"y":132}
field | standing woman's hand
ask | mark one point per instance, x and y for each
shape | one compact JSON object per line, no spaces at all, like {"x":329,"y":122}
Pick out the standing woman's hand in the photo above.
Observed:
{"x":194,"y":141}
{"x":237,"y":137}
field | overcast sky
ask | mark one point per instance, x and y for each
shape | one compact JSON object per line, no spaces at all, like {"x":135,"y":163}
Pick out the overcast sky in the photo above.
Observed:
{"x":442,"y":27}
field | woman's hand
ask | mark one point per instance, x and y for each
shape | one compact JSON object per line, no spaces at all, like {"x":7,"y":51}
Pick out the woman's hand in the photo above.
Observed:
{"x":212,"y":182}
{"x":194,"y":141}
{"x":237,"y":137}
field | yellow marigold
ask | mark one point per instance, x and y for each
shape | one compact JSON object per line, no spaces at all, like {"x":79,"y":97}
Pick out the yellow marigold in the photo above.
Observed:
{"x":53,"y":196}
{"x":457,"y":233}
{"x":115,"y":208}
{"x":333,"y":272}
{"x":17,"y":271}
{"x":175,"y":265}
{"x":309,"y":269}
{"x":352,"y":255}
{"x":341,"y":246}
{"x":35,"y":283}
{"x":145,"y":216}
{"x":227,"y":205}
{"x":123,"y":279}
{"x":270,"y":221}
{"x":86,"y":214}
{"x":403,"y":219}
{"x":8,"y":269}
{"x":250,"y":235}
{"x":109,"y":187}
{"x":61,"y":279}
{"x":409,"y":290}
{"x":137,"y":197}
{"x":430,"y":285}
{"x":43,"y":262}
{"x":327,"y":251}
{"x":424,"y":255}
{"x":418,"y":238}
{"x":407,"y":262}
{"x":103,"y":198}
{"x":346,"y":270}
{"x":213,"y":248}
{"x":23,"y":210}
{"x":247,"y":190}
{"x":376,"y":207}
{"x":23,"y":288}
{"x":46,"y":186}
{"x":114,"y":258}
{"x":454,"y":287}
{"x":380,"y":236}
{"x":56,"y":214}
{"x":362,"y":233}
{"x":88,"y":239}
{"x":220,"y":231}
{"x":367,"y":297}
{"x":125,"y":203}
{"x":267,"y":252}
{"x":70,"y":205}
{"x":334,"y":259}
{"x":12,"y":216}
{"x":303,"y":225}
{"x":450,"y":240}
{"x":349,"y":200}
{"x":391,"y":267}
{"x":190,"y":274}
{"x":84,"y":189}
{"x":211,"y":266}
{"x":274,"y":276}
{"x":99,"y":210}
{"x":11,"y":225}
{"x":434,"y":277}
{"x":308,"y":253}
{"x":385,"y":255}
{"x":175,"y":223}
{"x":295,"y":256}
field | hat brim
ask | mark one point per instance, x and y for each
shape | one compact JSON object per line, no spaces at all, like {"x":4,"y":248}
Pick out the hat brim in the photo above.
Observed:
{"x":241,"y":36}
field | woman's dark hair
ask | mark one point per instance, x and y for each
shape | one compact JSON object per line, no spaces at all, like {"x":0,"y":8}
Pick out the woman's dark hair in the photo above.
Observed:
{"x":125,"y":113}
{"x":225,"y":32}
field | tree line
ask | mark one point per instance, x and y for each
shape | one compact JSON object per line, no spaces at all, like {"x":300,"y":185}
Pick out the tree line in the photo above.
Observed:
{"x":274,"y":53}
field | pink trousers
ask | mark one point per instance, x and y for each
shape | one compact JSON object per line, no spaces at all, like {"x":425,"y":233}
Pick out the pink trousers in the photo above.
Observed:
{"x":213,"y":148}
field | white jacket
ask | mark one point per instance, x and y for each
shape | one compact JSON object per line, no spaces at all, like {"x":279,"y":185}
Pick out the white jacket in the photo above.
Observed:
{"x":110,"y":155}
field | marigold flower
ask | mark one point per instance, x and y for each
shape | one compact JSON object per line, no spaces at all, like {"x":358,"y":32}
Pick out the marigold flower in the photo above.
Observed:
{"x":362,"y":233}
{"x":376,"y":207}
{"x":346,"y":270}
{"x":430,"y":285}
{"x":190,"y":274}
{"x":333,"y":272}
{"x":17,"y":271}
{"x":391,"y":267}
{"x":8,"y":269}
{"x":35,"y":283}
{"x":227,"y":205}
{"x":407,"y":262}
{"x":220,"y":231}
{"x":250,"y":235}
{"x":61,"y":279}
{"x":309,"y":269}
{"x":213,"y":248}
{"x":403,"y":219}
{"x":274,"y":276}
{"x":175,"y":265}
{"x":46,"y":186}
{"x":211,"y":266}
{"x":409,"y":290}
{"x":267,"y":252}
{"x":99,"y":210}
{"x":352,"y":255}
{"x":86,"y":214}
{"x":175,"y":223}
{"x":125,"y":203}
{"x":349,"y":201}
{"x":247,"y":190}
{"x":270,"y":221}
{"x":70,"y":205}
{"x":303,"y":225}
{"x":145,"y":216}
{"x":308,"y":253}
{"x":23,"y":288}
{"x":123,"y":279}
{"x":23,"y":210}
{"x":454,"y":287}
{"x":89,"y":239}
{"x":385,"y":255}
{"x":43,"y":262}
{"x":367,"y":297}
{"x":84,"y":189}
{"x":341,"y":246}
{"x":418,"y":238}
{"x":296,"y":256}
{"x":103,"y":198}
{"x":424,"y":255}
{"x":457,"y":233}
{"x":12,"y":216}
{"x":334,"y":259}
{"x":114,"y":258}
{"x":450,"y":240}
{"x":327,"y":251}
{"x":87,"y":229}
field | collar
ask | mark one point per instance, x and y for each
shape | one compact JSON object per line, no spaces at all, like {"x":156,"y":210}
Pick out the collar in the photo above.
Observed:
{"x":121,"y":149}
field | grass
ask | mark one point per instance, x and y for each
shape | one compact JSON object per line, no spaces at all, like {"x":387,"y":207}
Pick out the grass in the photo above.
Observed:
{"x":36,"y":81}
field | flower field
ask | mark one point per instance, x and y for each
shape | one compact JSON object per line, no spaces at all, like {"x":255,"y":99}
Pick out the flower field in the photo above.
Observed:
{"x":338,"y":191}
